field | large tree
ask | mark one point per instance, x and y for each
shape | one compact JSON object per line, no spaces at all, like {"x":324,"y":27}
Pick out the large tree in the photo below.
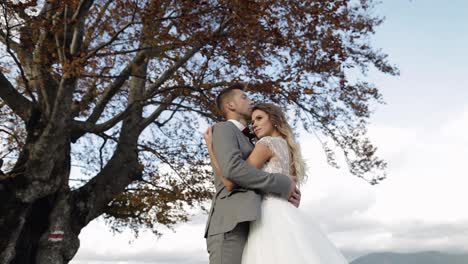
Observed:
{"x":117,"y":88}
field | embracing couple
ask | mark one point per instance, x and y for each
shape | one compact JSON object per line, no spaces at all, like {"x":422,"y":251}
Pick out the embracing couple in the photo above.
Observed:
{"x":253,"y":217}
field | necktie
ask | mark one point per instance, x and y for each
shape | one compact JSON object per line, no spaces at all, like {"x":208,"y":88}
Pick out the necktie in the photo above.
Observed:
{"x":248,"y":134}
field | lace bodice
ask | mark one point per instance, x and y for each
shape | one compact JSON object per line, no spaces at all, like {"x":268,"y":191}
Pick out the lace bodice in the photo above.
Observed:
{"x":279,"y":163}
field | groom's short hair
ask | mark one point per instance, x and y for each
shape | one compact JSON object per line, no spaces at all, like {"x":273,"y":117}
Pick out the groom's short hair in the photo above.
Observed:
{"x":225,"y":95}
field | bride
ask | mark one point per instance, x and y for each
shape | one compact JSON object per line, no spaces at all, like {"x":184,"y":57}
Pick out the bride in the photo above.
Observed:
{"x":283,"y":234}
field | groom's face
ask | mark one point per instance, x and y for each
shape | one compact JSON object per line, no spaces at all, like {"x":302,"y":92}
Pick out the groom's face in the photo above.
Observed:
{"x":241,"y":104}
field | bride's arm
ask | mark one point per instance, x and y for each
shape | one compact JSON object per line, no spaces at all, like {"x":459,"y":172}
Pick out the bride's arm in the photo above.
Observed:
{"x":260,"y":154}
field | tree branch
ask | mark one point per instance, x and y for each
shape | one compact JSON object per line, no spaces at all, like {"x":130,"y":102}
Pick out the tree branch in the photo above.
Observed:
{"x":13,"y":47}
{"x":89,"y":127}
{"x":82,"y":10}
{"x":198,"y":111}
{"x":89,"y":35}
{"x":112,"y":89}
{"x":78,"y":20}
{"x":92,"y":198}
{"x":153,"y":89}
{"x":16,"y":101}
{"x":15,"y":137}
{"x":113,"y":38}
{"x":156,"y":113}
{"x":45,"y":85}
{"x":123,"y":168}
{"x":109,"y":92}
{"x":115,"y":86}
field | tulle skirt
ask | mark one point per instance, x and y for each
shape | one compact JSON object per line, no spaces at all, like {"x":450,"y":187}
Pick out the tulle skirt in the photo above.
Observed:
{"x":284,"y":234}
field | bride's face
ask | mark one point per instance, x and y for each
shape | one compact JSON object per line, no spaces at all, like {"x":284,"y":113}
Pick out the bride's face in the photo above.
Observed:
{"x":261,"y":124}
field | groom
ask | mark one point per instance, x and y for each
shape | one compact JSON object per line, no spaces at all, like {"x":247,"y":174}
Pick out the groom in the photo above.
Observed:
{"x":231,"y":211}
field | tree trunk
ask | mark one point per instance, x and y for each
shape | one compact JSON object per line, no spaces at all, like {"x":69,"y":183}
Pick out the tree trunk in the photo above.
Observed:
{"x":44,"y":234}
{"x":36,"y":192}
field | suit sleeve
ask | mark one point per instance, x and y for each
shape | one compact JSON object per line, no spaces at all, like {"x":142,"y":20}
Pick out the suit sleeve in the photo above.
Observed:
{"x":236,"y":169}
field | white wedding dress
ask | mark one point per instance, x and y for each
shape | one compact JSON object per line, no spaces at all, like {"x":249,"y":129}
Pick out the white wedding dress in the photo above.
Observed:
{"x":283,"y":234}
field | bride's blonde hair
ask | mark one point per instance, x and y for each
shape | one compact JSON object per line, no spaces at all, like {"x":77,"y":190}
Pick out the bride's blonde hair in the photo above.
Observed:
{"x":278,"y":120}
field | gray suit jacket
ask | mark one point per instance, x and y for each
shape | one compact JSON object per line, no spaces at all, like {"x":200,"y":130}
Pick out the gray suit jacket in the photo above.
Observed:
{"x":228,"y":208}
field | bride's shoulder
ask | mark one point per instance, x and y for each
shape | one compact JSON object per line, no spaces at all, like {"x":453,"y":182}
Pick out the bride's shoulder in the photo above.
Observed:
{"x":269,"y":140}
{"x":265,"y":139}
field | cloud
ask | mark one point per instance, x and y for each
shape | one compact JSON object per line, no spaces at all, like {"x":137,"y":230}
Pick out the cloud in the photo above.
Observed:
{"x":146,"y":256}
{"x":99,"y":245}
{"x":410,"y":236}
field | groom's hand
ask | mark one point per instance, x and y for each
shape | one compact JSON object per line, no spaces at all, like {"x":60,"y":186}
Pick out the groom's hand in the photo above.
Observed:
{"x":294,"y":196}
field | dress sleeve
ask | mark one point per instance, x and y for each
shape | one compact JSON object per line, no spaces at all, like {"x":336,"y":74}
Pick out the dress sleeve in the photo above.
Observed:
{"x":267,"y":141}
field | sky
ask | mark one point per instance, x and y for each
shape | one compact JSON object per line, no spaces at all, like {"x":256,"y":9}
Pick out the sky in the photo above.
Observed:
{"x":421,"y":131}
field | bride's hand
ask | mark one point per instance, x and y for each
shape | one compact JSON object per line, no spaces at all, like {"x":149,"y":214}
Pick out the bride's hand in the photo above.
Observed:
{"x":208,"y":136}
